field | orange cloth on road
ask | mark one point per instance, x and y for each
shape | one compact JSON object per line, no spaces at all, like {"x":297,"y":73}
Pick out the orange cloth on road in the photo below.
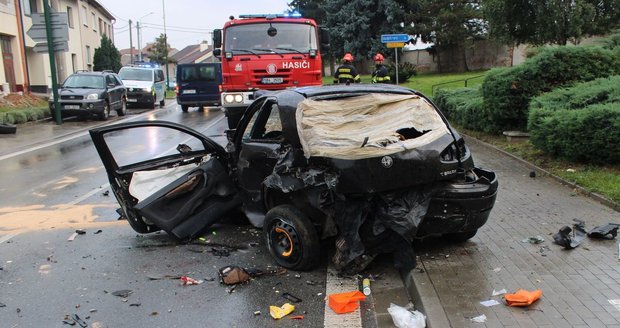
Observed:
{"x":346,"y":302}
{"x":522,"y":297}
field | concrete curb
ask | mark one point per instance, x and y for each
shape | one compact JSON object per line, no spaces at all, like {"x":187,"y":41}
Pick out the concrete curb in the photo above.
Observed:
{"x":426,"y":300}
{"x":599,"y":198}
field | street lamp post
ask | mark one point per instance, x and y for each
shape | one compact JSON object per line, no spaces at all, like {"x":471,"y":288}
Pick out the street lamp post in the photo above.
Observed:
{"x":140,"y":36}
{"x":163,"y":4}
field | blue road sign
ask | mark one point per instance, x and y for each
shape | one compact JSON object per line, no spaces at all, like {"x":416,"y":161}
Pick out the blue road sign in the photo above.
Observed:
{"x":385,"y":38}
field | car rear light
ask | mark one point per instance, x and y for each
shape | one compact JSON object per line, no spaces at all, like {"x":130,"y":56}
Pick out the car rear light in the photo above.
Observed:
{"x":176,"y":90}
{"x":219,"y":86}
{"x":454,"y":151}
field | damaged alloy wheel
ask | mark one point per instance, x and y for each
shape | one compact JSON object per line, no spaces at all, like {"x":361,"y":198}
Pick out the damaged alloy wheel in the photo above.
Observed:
{"x":291,"y":238}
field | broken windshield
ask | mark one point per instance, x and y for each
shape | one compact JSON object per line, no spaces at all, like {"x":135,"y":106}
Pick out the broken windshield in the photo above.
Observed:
{"x":290,"y":37}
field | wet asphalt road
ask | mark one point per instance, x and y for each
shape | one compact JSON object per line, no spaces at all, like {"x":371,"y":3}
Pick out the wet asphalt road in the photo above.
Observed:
{"x":53,"y":182}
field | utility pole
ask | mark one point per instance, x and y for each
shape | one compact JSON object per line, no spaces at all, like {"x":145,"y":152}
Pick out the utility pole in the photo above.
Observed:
{"x":50,"y":50}
{"x":139,"y":41}
{"x":130,"y":44}
{"x":163,"y":4}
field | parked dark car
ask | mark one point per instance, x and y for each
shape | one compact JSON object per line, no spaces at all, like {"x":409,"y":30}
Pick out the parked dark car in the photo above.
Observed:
{"x":91,"y":94}
{"x":372,"y":165}
{"x":198,"y":85}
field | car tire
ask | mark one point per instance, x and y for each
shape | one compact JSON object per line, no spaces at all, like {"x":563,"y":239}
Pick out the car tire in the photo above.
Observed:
{"x":152,"y":105}
{"x":184,"y":108}
{"x":123,"y":109}
{"x":162,"y":103}
{"x":291,"y":238}
{"x":105,"y":113}
{"x":460,"y":237}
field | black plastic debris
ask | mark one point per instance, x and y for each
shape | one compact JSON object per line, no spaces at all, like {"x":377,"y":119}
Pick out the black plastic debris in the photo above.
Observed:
{"x":608,"y":231}
{"x":98,"y":232}
{"x":291,"y":297}
{"x":79,"y":320}
{"x":124,"y":293}
{"x":106,"y":193}
{"x":2,"y":305}
{"x":220,"y":251}
{"x":80,"y":231}
{"x":532,"y":174}
{"x":571,"y":238}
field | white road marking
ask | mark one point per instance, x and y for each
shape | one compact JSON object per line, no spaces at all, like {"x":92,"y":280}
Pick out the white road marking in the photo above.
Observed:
{"x":7,"y":237}
{"x":335,"y":284}
{"x":76,"y":135}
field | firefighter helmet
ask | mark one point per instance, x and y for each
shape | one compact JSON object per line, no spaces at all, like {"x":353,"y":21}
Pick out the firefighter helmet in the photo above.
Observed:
{"x":378,"y":57}
{"x":348,"y":57}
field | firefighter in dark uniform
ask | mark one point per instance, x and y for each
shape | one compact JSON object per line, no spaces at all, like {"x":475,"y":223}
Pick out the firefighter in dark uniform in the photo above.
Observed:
{"x":346,"y":73}
{"x":380,"y":74}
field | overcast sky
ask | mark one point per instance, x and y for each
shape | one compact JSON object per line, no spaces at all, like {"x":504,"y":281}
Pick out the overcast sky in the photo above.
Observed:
{"x":187,"y":21}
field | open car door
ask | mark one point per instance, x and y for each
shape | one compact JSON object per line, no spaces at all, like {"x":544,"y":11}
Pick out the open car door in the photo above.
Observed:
{"x":166,"y":176}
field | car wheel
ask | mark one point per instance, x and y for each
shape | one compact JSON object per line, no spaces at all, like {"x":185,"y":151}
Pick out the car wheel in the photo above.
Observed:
{"x":152,"y":105}
{"x":162,"y":103}
{"x":460,"y":237}
{"x":184,"y":108}
{"x":123,"y":109}
{"x":291,"y":238}
{"x":105,"y":113}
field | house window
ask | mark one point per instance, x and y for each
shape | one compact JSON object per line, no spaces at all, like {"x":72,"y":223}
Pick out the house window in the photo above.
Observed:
{"x":70,"y":16}
{"x":101,"y":29}
{"x":94,"y":22}
{"x":84,"y":14}
{"x":88,"y":55}
{"x":33,"y":6}
{"x":74,"y":62}
{"x":26,"y":5}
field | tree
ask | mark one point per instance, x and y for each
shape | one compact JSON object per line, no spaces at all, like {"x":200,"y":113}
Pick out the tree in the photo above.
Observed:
{"x":551,"y":21}
{"x":449,"y":25}
{"x":159,"y":51}
{"x":107,"y":57}
{"x":356,"y":25}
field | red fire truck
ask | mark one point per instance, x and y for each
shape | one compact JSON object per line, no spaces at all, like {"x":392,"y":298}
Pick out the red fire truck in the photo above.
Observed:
{"x":268,"y":52}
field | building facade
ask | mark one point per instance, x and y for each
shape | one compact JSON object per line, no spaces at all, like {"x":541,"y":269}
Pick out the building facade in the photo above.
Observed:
{"x":22,"y":68}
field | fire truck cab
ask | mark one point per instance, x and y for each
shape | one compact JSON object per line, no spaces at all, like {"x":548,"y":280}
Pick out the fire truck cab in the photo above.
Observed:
{"x":269,"y":52}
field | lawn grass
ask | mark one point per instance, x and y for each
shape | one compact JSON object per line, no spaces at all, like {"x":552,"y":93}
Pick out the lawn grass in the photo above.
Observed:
{"x":603,"y":180}
{"x":424,"y":82}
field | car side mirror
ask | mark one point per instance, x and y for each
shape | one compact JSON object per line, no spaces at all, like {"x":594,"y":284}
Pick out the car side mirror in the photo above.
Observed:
{"x":217,"y":52}
{"x":324,"y":39}
{"x":217,"y":38}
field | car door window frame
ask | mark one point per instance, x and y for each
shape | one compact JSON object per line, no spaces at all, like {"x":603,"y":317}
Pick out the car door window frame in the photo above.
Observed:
{"x":257,"y":126}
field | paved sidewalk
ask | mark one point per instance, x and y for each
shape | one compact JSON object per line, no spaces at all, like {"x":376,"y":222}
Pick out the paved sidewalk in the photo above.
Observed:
{"x":579,"y":285}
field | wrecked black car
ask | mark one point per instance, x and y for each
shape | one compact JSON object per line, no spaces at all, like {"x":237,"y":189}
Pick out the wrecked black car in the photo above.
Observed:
{"x":370,"y":167}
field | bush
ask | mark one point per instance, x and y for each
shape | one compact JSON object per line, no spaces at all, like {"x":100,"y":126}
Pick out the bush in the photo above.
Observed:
{"x":507,"y":91}
{"x":405,"y":71}
{"x":465,"y":107}
{"x":581,"y":123}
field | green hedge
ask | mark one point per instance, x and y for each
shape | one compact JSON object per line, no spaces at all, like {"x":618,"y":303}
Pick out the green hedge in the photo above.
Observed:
{"x":580,"y":123}
{"x":465,"y":107}
{"x":507,"y":91}
{"x":18,"y":116}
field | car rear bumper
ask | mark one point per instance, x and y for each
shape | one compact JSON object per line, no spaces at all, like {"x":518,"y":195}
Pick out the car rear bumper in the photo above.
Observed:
{"x":198,"y":102}
{"x":460,"y":206}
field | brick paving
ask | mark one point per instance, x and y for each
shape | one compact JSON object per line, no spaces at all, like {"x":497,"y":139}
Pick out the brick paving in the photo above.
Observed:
{"x":576,"y":284}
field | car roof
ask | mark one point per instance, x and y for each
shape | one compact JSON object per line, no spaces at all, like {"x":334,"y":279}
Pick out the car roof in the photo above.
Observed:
{"x":93,"y":73}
